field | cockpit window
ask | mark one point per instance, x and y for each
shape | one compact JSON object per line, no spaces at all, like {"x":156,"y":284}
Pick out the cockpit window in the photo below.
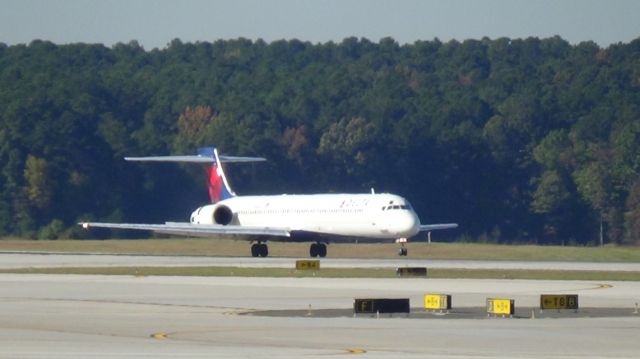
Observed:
{"x":397,"y":206}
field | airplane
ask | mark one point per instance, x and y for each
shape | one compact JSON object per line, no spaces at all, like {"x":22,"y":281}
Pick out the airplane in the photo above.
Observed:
{"x":316,"y":218}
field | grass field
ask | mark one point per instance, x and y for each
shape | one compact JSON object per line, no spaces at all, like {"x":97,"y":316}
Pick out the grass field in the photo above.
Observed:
{"x":238,"y":248}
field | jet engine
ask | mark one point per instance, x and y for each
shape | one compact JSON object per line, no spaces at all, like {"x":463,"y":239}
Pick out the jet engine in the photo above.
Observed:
{"x":222,"y":215}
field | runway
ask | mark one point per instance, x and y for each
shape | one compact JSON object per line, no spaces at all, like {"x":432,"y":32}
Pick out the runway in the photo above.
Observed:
{"x":69,"y":316}
{"x":48,"y":259}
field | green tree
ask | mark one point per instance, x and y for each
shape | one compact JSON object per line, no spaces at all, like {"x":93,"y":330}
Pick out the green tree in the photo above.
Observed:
{"x":632,"y":215}
{"x":522,"y":138}
{"x":39,"y":183}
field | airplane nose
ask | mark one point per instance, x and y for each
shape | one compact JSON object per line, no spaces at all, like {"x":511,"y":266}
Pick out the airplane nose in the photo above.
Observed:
{"x":407,"y":225}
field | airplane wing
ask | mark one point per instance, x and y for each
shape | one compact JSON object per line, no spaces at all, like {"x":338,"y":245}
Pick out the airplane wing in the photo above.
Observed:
{"x":196,"y":230}
{"x":433,"y":227}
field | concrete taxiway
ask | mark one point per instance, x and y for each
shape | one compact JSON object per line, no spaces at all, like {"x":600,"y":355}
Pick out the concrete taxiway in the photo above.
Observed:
{"x":48,"y":259}
{"x":72,"y":316}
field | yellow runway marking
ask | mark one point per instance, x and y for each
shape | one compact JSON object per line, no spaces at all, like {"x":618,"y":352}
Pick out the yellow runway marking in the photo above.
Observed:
{"x":356,"y":351}
{"x":596,"y":287}
{"x":159,"y":336}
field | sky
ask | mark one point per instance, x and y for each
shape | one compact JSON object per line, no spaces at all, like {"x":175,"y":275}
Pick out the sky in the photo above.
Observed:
{"x":154,"y":23}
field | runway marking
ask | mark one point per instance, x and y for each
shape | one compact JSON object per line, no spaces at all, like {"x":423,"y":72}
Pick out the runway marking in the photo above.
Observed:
{"x":160,"y":336}
{"x":356,"y":351}
{"x":238,"y":312}
{"x":598,"y":286}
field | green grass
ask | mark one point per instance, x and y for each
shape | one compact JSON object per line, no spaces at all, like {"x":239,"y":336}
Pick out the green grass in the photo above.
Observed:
{"x":335,"y":273}
{"x":239,"y":248}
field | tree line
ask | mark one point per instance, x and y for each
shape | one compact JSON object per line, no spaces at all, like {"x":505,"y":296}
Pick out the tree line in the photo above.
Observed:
{"x":518,"y":140}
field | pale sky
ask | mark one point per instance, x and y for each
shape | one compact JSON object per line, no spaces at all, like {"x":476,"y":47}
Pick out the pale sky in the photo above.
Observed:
{"x":154,"y":23}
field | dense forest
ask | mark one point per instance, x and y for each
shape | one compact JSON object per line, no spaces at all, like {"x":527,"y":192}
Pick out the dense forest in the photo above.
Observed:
{"x":518,"y":140}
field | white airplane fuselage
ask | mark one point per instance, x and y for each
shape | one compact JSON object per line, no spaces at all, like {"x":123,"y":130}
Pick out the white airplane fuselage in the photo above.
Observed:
{"x":376,"y":216}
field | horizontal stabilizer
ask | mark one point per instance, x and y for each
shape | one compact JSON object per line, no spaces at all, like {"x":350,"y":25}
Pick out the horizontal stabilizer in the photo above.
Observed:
{"x":205,"y":155}
{"x":195,"y":159}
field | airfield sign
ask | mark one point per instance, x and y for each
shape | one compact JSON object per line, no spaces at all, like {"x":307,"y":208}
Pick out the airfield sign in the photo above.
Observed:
{"x":559,"y":301}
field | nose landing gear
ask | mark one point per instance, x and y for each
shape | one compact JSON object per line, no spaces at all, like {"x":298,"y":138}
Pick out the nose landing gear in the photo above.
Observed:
{"x":403,"y":250}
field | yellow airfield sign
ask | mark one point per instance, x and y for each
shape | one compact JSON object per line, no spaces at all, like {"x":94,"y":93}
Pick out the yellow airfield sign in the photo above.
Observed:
{"x":308,"y":264}
{"x":437,"y":301}
{"x":500,"y":306}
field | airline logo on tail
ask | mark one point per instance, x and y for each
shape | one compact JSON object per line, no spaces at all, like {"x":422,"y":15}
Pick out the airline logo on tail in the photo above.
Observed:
{"x":217,"y":182}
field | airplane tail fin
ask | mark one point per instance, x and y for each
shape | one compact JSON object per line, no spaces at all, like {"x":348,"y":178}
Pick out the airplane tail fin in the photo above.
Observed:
{"x":217,"y":184}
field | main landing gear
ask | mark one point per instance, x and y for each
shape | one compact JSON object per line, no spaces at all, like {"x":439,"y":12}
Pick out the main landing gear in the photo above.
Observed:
{"x":259,"y":250}
{"x":318,"y":250}
{"x":403,"y":250}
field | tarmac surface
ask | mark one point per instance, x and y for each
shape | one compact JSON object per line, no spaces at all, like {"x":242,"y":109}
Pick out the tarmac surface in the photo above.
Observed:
{"x":89,"y":316}
{"x":14,"y":259}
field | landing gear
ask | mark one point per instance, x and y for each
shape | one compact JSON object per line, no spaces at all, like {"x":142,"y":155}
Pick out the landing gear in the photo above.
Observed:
{"x":259,"y":250}
{"x":318,"y":250}
{"x":402,"y":251}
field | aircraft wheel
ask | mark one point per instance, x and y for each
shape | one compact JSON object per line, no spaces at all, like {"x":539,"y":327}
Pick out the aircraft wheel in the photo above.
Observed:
{"x":402,"y":252}
{"x":313,"y":250}
{"x":264,"y":250}
{"x":259,"y":250}
{"x":322,"y":250}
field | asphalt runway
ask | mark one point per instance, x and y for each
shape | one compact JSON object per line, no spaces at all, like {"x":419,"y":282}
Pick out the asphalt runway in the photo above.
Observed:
{"x":73,"y":316}
{"x":47,"y":259}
